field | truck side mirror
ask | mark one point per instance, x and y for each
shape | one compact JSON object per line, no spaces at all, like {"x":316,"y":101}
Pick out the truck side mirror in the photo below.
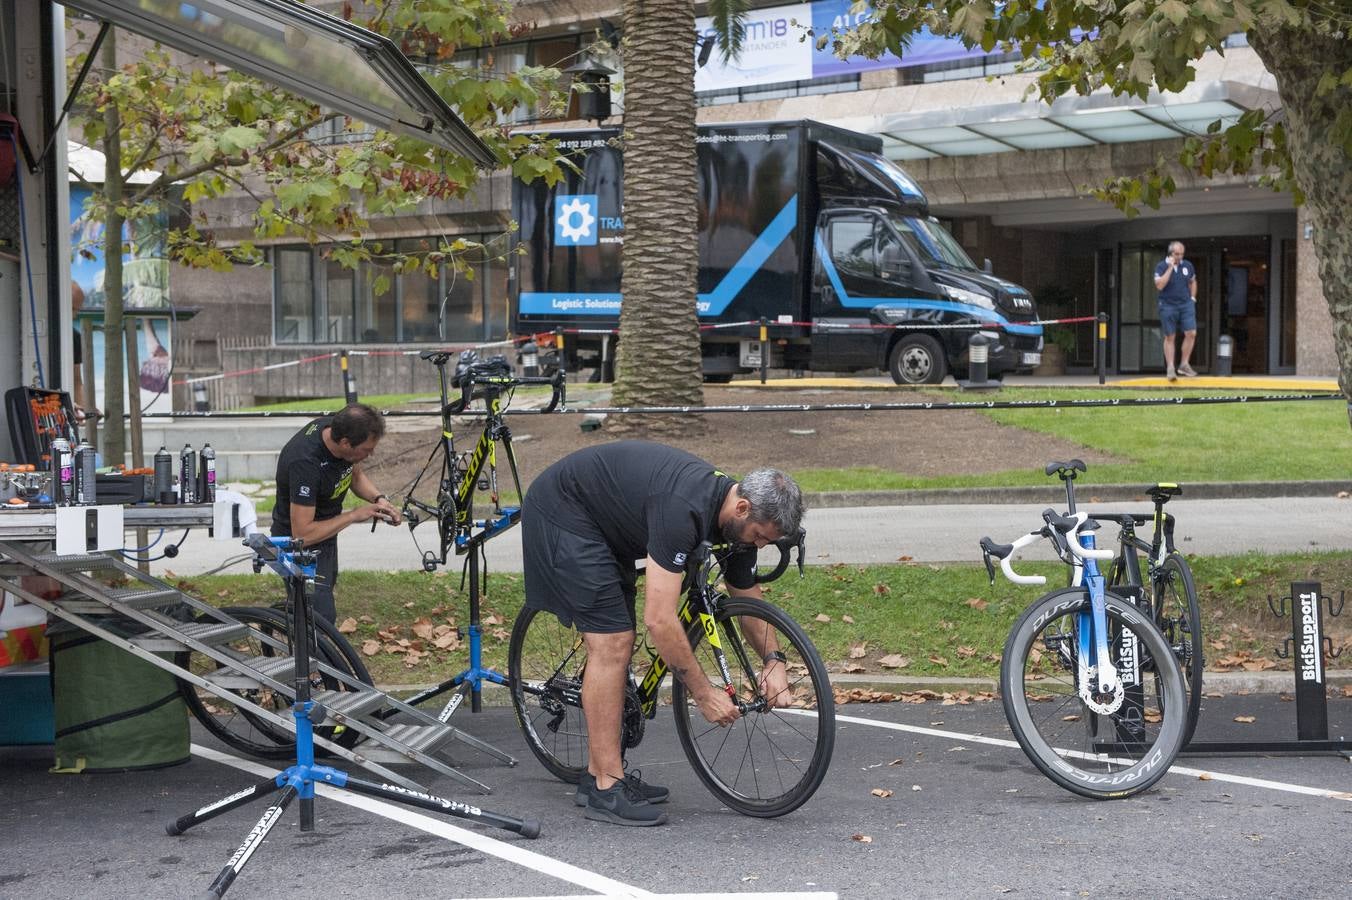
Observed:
{"x":893,"y":264}
{"x":987,"y":267}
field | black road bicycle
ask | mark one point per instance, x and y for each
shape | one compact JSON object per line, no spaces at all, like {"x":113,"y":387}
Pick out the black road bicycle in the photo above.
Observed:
{"x":1168,"y":590}
{"x":766,"y":764}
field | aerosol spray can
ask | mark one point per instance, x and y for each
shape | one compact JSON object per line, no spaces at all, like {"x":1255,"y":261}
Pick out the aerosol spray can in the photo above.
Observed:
{"x":187,"y":475}
{"x":164,"y":476}
{"x":63,"y":472}
{"x":206,"y":492}
{"x":86,"y":480}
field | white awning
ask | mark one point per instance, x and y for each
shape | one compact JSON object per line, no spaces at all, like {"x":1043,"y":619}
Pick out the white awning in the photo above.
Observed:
{"x":337,"y":64}
{"x":1069,"y":122}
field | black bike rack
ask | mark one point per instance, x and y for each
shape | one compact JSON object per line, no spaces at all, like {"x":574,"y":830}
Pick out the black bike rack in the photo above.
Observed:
{"x":1306,"y":607}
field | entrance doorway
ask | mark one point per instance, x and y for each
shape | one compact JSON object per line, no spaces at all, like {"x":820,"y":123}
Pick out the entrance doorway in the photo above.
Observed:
{"x":1233,"y":282}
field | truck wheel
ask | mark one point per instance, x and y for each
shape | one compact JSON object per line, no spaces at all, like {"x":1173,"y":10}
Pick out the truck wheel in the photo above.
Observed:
{"x":917,"y":359}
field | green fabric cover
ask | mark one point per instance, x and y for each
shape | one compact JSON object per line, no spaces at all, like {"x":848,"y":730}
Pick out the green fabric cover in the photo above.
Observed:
{"x":114,"y":711}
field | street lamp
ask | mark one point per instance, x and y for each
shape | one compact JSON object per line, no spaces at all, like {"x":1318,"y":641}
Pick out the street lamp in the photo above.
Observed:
{"x":593,"y":100}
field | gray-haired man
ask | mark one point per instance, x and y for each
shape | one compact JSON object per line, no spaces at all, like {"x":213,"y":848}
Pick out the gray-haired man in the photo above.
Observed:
{"x":586,"y":520}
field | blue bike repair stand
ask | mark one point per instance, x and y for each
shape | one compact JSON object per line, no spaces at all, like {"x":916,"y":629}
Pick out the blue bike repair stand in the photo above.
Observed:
{"x":296,"y":565}
{"x":471,"y":680}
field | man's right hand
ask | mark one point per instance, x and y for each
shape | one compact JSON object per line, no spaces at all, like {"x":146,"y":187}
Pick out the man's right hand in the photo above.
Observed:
{"x":368,"y":512}
{"x":717,"y":707}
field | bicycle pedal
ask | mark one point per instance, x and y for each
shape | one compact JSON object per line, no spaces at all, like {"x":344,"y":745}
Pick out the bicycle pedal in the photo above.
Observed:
{"x":483,"y":484}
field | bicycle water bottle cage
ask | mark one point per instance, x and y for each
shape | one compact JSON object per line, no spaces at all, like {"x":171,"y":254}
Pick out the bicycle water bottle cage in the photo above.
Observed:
{"x":1065,"y":470}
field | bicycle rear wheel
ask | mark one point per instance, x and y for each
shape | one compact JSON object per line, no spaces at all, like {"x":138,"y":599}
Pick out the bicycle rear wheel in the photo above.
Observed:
{"x":239,"y":726}
{"x":545,"y":664}
{"x":772,"y":759}
{"x":1103,"y":756}
{"x":1179,"y":617}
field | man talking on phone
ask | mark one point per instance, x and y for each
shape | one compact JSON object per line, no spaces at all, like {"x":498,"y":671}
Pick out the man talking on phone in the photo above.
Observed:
{"x":1176,"y":281}
{"x":315,"y":471}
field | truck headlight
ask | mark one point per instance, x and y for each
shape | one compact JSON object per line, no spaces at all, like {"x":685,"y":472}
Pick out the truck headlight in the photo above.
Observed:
{"x":975,"y":298}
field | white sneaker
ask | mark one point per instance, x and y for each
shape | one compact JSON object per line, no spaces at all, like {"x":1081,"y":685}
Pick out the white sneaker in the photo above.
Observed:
{"x":1187,"y":371}
{"x":1169,"y":374}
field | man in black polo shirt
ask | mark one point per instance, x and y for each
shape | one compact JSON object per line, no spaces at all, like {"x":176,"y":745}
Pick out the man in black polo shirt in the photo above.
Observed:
{"x":586,"y":520}
{"x":315,"y":471}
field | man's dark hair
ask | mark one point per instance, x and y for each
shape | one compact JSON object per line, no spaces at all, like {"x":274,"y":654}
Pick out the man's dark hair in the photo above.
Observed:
{"x":356,"y":423}
{"x":774,"y":497}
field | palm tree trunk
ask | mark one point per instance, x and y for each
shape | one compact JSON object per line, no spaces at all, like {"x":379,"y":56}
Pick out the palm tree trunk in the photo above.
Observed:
{"x":1298,"y":59}
{"x":658,"y":359}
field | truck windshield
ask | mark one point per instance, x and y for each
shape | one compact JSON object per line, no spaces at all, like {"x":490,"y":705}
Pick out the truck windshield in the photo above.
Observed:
{"x":932,"y":243}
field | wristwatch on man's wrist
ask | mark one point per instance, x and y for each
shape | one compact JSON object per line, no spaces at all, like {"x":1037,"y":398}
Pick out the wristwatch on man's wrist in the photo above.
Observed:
{"x":378,"y":497}
{"x":774,"y":656}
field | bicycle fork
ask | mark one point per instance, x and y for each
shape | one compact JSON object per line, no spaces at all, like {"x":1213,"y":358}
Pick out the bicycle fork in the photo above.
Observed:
{"x":1101,"y":687}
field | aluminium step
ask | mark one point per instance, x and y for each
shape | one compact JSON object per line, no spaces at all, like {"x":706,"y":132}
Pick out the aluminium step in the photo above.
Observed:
{"x":341,"y":705}
{"x":420,"y":738}
{"x":211,"y":633}
{"x":76,"y":562}
{"x":278,"y":668}
{"x":133,"y":598}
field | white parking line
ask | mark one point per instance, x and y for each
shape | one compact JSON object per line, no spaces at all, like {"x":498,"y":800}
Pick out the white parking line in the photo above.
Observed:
{"x":1211,"y":774}
{"x":513,"y":853}
{"x":605,"y":888}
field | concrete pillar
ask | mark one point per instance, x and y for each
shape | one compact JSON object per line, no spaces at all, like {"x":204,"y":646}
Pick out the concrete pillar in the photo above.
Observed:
{"x":1315,"y":354}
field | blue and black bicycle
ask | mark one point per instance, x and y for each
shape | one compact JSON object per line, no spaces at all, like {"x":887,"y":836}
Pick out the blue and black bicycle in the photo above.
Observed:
{"x":1091,"y":688}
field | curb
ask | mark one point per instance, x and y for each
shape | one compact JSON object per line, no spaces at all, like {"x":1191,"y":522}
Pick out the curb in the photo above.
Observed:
{"x":1193,"y":490}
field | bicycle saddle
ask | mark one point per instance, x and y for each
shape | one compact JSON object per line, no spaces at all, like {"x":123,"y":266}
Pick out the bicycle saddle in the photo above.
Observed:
{"x":1160,"y":493}
{"x":1065,"y":470}
{"x":436,"y":357}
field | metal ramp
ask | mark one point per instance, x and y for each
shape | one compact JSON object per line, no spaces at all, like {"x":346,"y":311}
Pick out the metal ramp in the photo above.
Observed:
{"x":174,"y":622}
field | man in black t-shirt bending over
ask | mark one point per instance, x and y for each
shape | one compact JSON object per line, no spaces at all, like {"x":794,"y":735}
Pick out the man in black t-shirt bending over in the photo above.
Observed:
{"x":586,"y":520}
{"x":315,"y":471}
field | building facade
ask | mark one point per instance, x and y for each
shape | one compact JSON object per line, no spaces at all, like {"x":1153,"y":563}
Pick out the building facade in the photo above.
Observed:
{"x":1009,"y":177}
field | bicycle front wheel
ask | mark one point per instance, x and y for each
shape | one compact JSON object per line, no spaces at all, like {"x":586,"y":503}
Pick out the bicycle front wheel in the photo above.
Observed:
{"x":545,"y":664}
{"x":1179,"y":617}
{"x":1113,"y":753}
{"x":772,"y":759}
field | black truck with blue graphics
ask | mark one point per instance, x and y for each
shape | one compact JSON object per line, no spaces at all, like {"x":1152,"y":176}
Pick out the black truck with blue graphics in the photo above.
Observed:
{"x":802,"y":224}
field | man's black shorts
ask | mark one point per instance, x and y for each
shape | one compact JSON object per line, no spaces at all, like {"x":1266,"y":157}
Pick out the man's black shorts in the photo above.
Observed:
{"x":576,"y":576}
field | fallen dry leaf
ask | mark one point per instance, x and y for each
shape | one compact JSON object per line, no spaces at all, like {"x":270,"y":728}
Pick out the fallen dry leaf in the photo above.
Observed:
{"x":409,"y":605}
{"x":848,"y":620}
{"x":861,"y":838}
{"x":1258,"y":665}
{"x":367,"y":619}
{"x":905,"y":558}
{"x":966,"y":652}
{"x":977,"y":604}
{"x":881,"y":792}
{"x":370,"y":648}
{"x":938,"y":660}
{"x":1205,"y":776}
{"x":896,"y":762}
{"x":859,"y":651}
{"x":894,"y":661}
{"x":447,"y":641}
{"x":1245,"y":719}
{"x":852,"y":669}
{"x":915,"y":787}
{"x":347,"y":626}
{"x":881,"y":589}
{"x":423,"y":628}
{"x":823,"y":617}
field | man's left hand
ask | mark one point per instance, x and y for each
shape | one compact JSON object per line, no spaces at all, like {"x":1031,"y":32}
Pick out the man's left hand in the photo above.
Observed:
{"x":388,"y":511}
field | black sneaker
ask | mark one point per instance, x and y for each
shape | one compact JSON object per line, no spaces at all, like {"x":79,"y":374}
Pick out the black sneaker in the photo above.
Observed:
{"x":620,"y":804}
{"x":652,"y":793}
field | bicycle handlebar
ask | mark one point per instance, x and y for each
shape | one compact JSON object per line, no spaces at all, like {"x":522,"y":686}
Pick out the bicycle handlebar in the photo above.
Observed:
{"x":785,"y":544}
{"x":1062,"y":531}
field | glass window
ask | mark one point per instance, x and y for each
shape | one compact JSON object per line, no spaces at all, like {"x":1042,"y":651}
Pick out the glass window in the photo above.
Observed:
{"x":377,"y":314}
{"x":293,"y":288}
{"x":852,"y":246}
{"x":420,"y":296}
{"x":338,"y":310}
{"x":464,"y":305}
{"x":932,"y":243}
{"x":496,"y":303}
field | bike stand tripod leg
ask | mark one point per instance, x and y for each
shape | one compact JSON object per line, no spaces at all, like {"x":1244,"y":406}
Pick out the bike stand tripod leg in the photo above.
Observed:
{"x":298,"y":781}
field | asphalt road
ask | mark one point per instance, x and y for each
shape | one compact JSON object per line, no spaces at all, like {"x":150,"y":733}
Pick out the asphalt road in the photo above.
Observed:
{"x":881,"y":534}
{"x":968,"y":816}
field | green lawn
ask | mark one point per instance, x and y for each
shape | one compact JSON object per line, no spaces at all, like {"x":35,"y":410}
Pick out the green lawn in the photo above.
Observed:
{"x":944,"y":620}
{"x":1286,"y":441}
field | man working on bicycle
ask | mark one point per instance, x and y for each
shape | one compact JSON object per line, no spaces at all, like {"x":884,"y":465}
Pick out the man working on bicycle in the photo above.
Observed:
{"x":586,"y":521}
{"x":315,"y":471}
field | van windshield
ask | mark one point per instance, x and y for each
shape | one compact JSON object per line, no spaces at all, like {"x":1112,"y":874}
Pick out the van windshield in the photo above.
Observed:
{"x":932,"y":243}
